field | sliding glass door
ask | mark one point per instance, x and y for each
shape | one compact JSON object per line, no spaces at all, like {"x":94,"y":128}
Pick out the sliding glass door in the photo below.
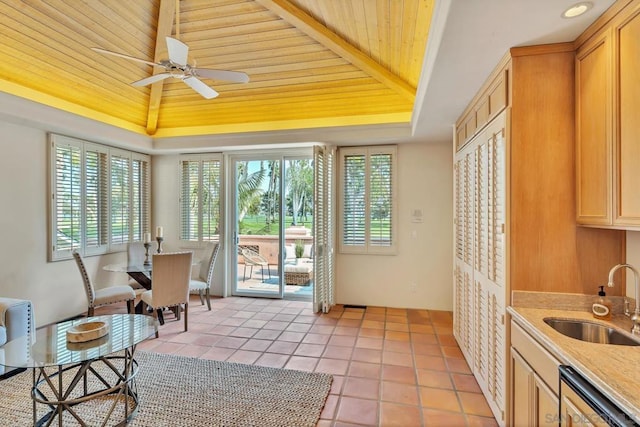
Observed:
{"x":272,"y":249}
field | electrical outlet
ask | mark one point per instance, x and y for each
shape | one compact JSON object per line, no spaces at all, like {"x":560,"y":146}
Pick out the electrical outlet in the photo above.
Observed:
{"x":413,"y":287}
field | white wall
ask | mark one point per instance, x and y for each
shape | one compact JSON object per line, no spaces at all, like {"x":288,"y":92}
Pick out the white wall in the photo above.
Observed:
{"x":425,"y":182}
{"x":55,"y":288}
{"x":165,"y":208}
{"x":425,"y":255}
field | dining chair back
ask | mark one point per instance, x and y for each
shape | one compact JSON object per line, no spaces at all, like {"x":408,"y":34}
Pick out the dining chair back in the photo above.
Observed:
{"x":136,"y":256}
{"x":202,"y":285}
{"x":135,"y":253}
{"x":170,"y":286}
{"x":104,"y":296}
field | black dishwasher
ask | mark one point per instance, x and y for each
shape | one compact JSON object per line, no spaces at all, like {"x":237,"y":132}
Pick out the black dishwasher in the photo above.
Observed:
{"x":600,"y":404}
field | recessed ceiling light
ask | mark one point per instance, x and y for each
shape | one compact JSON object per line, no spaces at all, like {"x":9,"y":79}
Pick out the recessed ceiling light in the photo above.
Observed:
{"x":577,"y":9}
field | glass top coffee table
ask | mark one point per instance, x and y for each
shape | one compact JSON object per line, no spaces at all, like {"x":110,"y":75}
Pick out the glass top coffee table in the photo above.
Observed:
{"x":67,"y":374}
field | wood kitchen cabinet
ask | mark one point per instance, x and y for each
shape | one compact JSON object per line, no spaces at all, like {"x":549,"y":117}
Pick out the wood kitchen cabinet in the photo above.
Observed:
{"x":607,"y":125}
{"x":534,"y":402}
{"x":575,"y":412}
{"x":594,"y":150}
{"x":514,"y":209}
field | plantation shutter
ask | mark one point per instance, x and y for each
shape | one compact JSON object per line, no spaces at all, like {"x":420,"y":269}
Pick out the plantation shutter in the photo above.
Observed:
{"x":140,"y":197}
{"x":200,"y":188}
{"x":99,"y":197}
{"x":120,"y":187}
{"x":323,"y":229}
{"x":354,"y":212}
{"x":210,"y":200}
{"x":189,"y":200}
{"x":96,"y":199}
{"x":368,"y":211}
{"x":380,"y":200}
{"x":66,"y":224}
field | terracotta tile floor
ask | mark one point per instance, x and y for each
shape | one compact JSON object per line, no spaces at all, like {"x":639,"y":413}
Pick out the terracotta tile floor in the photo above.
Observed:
{"x":390,"y":366}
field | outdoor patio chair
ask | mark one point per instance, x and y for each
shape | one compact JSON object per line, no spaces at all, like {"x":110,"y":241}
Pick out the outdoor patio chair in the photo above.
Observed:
{"x":251,"y":259}
{"x":203,"y":285}
{"x":105,"y":296}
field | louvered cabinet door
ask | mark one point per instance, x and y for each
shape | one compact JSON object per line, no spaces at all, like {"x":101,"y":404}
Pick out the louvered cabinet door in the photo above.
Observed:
{"x":481,"y":350}
{"x":495,"y":270}
{"x":464,"y":177}
{"x":459,"y":205}
{"x":463,"y":309}
{"x":496,"y":360}
{"x":489,"y":352}
{"x":458,"y":291}
{"x":469,"y":206}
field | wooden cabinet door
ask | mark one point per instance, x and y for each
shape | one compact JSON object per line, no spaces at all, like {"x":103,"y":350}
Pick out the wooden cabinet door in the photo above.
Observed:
{"x":464,"y":173}
{"x":575,"y":412}
{"x":521,"y":390}
{"x":594,"y":138}
{"x":628,"y":139}
{"x":545,"y":404}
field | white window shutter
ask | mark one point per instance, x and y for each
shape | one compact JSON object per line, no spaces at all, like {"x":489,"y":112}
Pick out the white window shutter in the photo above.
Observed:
{"x":96,"y":200}
{"x":99,"y":197}
{"x":200,"y":193}
{"x":66,"y":198}
{"x":323,"y":229}
{"x":120,"y":202}
{"x":368,"y":210}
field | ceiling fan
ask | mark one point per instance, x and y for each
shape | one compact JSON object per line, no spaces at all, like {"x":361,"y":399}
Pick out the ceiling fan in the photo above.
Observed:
{"x":178,"y":68}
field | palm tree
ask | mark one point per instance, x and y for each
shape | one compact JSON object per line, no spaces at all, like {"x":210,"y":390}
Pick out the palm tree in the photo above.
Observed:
{"x":299,"y":186}
{"x":249,"y":187}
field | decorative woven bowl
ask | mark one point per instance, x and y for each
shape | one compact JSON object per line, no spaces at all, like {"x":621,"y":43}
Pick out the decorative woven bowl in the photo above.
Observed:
{"x":83,"y":332}
{"x":81,"y":346}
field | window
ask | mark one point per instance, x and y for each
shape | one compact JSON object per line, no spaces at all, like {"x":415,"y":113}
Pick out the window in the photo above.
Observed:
{"x":367,"y":208}
{"x":200,"y":197}
{"x":99,"y":197}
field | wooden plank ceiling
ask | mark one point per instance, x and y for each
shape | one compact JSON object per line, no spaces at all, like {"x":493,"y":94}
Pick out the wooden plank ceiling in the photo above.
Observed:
{"x":312,"y":63}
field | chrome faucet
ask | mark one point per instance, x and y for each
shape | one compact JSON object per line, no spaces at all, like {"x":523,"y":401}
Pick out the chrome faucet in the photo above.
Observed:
{"x":635,"y":317}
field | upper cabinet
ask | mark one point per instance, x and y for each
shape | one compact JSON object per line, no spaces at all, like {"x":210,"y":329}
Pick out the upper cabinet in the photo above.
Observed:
{"x":488,"y":105}
{"x":627,"y":37}
{"x":607,"y":123}
{"x":594,"y":152}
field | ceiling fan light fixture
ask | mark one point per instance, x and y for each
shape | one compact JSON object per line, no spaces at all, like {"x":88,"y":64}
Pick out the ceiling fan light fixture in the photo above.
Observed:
{"x":577,"y":9}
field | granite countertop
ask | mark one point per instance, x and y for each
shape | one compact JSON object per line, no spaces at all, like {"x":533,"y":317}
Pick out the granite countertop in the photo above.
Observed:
{"x":613,"y":369}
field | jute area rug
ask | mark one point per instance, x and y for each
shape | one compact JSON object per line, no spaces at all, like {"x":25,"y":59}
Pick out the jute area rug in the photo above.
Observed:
{"x":183,"y":391}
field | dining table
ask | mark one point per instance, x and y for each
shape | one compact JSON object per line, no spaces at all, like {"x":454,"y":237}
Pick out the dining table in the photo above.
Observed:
{"x":141,"y":273}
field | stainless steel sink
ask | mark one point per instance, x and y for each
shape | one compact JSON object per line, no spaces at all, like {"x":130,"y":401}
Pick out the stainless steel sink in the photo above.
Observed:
{"x":585,"y":330}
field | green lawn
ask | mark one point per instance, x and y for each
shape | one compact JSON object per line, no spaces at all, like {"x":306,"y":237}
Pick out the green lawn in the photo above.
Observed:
{"x":257,"y":225}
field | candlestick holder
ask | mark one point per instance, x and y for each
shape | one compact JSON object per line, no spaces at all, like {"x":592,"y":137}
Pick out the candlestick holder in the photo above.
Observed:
{"x":147,"y":245}
{"x":160,"y":240}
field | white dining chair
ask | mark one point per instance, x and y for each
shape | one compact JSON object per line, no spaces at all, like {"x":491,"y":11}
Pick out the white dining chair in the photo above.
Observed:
{"x":170,"y":286}
{"x":202,"y":285}
{"x":136,"y":256}
{"x":104,"y":296}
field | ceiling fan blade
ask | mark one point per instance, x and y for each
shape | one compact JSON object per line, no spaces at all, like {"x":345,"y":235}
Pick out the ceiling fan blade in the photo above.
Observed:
{"x":232,"y":76}
{"x":151,"y":79}
{"x":178,"y":51}
{"x":200,"y":87}
{"x":121,"y":55}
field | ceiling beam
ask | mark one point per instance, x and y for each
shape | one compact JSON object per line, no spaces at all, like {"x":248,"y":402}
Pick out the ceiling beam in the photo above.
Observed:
{"x":166,"y":17}
{"x":308,"y":25}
